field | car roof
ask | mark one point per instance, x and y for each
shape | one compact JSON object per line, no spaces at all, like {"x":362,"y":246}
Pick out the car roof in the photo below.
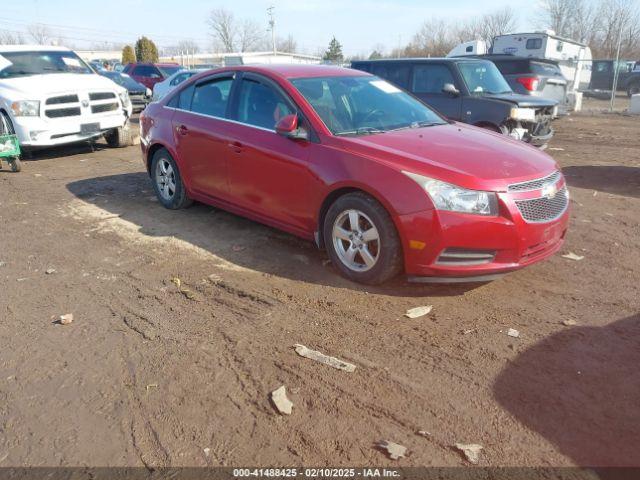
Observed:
{"x":421,"y":60}
{"x":506,"y":56}
{"x":157,"y":64}
{"x":32,"y":48}
{"x":291,"y":71}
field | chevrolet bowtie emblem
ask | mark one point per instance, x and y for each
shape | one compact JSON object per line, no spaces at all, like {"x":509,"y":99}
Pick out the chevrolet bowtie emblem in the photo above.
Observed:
{"x":549,"y":190}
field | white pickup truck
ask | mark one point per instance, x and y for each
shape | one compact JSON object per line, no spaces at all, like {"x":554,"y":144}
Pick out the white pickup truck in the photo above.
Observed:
{"x":49,"y":96}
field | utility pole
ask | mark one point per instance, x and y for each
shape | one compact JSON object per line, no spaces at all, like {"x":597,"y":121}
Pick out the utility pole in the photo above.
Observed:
{"x":615,"y":71}
{"x":272,"y":27}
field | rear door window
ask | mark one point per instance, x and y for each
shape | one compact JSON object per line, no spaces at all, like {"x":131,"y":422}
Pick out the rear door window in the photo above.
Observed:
{"x":212,"y":97}
{"x":431,"y":78}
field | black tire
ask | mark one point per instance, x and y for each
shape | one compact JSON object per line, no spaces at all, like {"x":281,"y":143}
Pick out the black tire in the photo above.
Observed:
{"x":633,"y":89}
{"x":15,"y":164}
{"x":119,"y":137}
{"x":172,"y":200}
{"x":389,"y":260}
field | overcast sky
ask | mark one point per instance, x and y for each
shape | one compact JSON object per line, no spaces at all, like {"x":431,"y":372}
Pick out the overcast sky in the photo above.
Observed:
{"x":358,"y":24}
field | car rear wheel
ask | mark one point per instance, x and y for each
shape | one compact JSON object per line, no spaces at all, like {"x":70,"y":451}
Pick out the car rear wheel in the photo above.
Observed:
{"x":633,"y":90}
{"x":167,"y":181}
{"x":362,"y":240}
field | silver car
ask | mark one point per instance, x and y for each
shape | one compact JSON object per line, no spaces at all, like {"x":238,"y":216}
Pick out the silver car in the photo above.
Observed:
{"x":160,"y":89}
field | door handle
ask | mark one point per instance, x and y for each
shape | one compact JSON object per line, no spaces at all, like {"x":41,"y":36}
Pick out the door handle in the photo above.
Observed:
{"x":182,"y":130}
{"x":235,"y":146}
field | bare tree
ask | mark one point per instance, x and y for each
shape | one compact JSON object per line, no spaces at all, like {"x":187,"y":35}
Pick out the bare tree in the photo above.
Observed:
{"x":41,"y":34}
{"x":223,"y":29}
{"x":498,"y":23}
{"x":288,"y":45}
{"x":433,"y":39}
{"x":11,"y":38}
{"x":250,"y":37}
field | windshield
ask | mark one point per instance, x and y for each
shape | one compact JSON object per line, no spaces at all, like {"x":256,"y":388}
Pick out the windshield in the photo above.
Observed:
{"x":40,"y":63}
{"x":168,"y":70}
{"x":364,"y":105}
{"x":483,"y":77}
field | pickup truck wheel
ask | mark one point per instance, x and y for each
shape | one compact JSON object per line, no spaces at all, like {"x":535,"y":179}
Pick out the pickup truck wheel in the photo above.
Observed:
{"x":119,"y":137}
{"x":633,"y":90}
{"x":167,"y":181}
{"x":361,"y":239}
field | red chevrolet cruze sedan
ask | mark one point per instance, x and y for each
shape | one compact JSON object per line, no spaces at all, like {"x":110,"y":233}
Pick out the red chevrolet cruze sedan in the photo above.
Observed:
{"x":362,"y":168}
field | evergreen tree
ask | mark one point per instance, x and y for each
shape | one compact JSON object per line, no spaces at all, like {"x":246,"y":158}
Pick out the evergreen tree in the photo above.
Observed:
{"x":146,"y":50}
{"x":128,"y":55}
{"x":334,"y":52}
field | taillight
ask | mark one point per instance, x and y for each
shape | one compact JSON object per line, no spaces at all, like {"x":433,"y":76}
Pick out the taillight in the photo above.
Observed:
{"x":530,"y":83}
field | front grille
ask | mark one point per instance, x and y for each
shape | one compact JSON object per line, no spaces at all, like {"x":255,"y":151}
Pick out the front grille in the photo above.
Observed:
{"x":62,"y":99}
{"x":105,"y":107}
{"x":101,"y":95}
{"x":63,"y":112}
{"x":463,"y":256}
{"x":544,"y":209}
{"x":536,"y":184}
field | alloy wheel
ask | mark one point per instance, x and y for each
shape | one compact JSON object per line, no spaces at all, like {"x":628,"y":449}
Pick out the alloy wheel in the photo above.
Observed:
{"x":356,"y":240}
{"x":165,"y":179}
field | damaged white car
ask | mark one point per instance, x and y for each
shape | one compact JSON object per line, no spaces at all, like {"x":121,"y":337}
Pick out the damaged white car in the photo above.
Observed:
{"x":49,"y":96}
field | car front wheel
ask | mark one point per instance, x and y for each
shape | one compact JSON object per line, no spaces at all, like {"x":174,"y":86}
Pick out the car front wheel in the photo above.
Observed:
{"x":167,"y":181}
{"x":362,"y":240}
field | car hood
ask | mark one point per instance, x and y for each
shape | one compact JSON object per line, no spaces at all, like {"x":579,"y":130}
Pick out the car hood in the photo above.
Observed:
{"x":39,"y":86}
{"x":522,"y":100}
{"x":456,"y":153}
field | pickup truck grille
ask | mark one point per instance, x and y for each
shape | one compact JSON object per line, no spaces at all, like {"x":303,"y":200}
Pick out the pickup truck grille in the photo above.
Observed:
{"x":101,"y":95}
{"x":71,"y":105}
{"x":63,"y":112}
{"x":62,"y":99}
{"x":544,"y":209}
{"x":105,"y":107}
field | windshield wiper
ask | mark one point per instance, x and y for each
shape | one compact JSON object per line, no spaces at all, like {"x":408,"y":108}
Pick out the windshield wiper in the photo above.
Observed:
{"x":421,"y":124}
{"x":362,"y":131}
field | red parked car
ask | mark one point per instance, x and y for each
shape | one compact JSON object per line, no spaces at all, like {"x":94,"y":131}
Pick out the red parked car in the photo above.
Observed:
{"x":364,"y":169}
{"x":149,"y":74}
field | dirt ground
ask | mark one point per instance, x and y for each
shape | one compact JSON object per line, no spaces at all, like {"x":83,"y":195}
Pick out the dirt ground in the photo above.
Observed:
{"x":150,"y":375}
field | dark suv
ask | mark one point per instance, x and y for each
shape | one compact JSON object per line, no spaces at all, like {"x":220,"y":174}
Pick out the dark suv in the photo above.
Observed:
{"x":538,"y":77}
{"x":470,"y":90}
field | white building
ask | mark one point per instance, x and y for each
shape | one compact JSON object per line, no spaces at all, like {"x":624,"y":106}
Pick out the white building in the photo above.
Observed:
{"x":240,"y":58}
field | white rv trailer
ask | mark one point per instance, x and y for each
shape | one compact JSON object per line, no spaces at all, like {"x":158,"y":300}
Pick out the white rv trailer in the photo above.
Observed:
{"x":574,"y":57}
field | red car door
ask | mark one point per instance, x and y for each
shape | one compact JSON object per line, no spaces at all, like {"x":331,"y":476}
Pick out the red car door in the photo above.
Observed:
{"x":269,"y":174}
{"x":202,"y":135}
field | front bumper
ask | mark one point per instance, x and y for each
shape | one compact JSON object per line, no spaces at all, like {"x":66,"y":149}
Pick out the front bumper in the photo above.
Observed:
{"x":509,"y":241}
{"x":36,"y":132}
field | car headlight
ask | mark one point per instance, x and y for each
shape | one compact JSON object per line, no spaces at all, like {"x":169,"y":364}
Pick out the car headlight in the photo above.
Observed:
{"x":26,"y":108}
{"x":149,"y":92}
{"x":446,"y":196}
{"x":124,"y":98}
{"x":526,"y":114}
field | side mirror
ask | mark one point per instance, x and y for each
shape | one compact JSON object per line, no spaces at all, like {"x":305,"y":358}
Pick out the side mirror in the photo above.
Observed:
{"x":287,"y":126}
{"x":451,"y":89}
